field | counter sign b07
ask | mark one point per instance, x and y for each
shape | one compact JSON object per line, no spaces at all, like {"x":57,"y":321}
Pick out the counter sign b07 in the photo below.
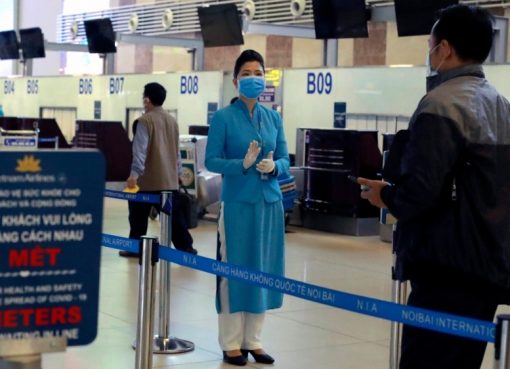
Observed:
{"x":32,"y":86}
{"x":116,"y":85}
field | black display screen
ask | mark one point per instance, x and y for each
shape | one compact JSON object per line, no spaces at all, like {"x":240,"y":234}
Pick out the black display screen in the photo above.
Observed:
{"x":9,"y":47}
{"x":220,"y":25}
{"x":32,"y":43}
{"x":416,"y":17}
{"x":100,"y":36}
{"x":340,"y":18}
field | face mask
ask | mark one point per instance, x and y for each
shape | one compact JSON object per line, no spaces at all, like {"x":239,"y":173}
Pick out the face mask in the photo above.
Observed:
{"x":433,"y":78}
{"x":251,"y":87}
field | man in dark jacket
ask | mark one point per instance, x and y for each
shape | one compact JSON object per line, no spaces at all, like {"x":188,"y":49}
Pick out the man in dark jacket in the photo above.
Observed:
{"x":452,"y":199}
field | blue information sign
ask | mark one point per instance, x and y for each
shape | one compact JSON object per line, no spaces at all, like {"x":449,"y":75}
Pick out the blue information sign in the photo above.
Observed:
{"x":339,"y":115}
{"x":212,"y":108}
{"x":25,"y":142}
{"x":268,"y":95}
{"x":51,"y":207}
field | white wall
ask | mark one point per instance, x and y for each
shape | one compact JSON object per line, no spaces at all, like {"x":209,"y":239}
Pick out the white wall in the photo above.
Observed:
{"x":378,"y":90}
{"x":65,"y":92}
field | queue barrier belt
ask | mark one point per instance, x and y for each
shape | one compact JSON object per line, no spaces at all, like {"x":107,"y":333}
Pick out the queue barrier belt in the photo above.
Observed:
{"x":46,"y":139}
{"x":137,"y":197}
{"x":417,"y":317}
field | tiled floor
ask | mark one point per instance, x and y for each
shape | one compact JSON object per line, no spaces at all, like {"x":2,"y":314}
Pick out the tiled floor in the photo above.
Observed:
{"x":300,"y":335}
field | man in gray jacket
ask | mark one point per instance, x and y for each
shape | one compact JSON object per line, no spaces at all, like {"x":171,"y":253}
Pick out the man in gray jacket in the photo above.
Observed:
{"x":452,"y":197}
{"x":155,"y":167}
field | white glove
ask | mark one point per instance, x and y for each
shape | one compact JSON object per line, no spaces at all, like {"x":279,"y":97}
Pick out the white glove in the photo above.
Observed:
{"x":251,"y":155}
{"x":266,"y":165}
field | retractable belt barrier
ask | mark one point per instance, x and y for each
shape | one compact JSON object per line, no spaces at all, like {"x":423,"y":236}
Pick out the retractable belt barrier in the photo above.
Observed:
{"x":47,"y":139}
{"x":138,"y":197}
{"x":422,"y":318}
{"x":120,"y":243}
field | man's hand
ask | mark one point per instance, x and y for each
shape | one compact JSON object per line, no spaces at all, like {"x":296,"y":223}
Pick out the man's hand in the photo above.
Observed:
{"x":132,"y":182}
{"x":372,"y":193}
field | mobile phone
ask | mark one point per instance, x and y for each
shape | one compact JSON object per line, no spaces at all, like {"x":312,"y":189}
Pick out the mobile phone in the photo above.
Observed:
{"x":352,"y":179}
{"x":355,"y":180}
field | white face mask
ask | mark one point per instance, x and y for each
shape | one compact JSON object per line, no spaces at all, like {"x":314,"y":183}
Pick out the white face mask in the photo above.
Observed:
{"x":432,"y":72}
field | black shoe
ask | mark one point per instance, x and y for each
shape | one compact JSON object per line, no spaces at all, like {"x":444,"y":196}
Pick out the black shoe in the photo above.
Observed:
{"x":128,"y":254}
{"x":259,"y":358}
{"x":234,"y":360}
{"x":153,"y":214}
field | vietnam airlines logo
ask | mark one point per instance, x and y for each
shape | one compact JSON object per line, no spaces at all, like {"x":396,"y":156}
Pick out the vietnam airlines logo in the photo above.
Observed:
{"x":28,"y":164}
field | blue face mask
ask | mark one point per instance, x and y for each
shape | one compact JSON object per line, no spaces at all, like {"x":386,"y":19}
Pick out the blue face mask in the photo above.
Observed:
{"x":251,"y":87}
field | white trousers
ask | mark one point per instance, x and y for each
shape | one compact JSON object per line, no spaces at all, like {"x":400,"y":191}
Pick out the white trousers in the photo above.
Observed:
{"x":240,"y":330}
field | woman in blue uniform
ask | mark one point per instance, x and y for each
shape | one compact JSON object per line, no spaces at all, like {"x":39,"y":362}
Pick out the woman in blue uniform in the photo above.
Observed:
{"x":246,"y":144}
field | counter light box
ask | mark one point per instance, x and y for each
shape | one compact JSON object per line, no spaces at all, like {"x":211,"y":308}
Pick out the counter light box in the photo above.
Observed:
{"x":9,"y":47}
{"x":220,"y":25}
{"x":100,"y":36}
{"x":340,"y":18}
{"x":416,"y":17}
{"x":32,"y":43}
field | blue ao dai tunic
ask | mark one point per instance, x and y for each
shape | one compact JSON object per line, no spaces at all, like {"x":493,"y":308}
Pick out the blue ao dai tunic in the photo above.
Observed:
{"x":253,"y":217}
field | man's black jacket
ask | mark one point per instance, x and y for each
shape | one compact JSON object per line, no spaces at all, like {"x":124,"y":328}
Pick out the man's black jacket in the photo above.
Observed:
{"x":452,"y":198}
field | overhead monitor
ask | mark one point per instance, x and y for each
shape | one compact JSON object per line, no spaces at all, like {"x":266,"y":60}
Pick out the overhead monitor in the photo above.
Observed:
{"x":9,"y":47}
{"x":100,"y":36}
{"x":416,"y":17}
{"x":32,"y":43}
{"x":220,"y":25}
{"x":340,"y":18}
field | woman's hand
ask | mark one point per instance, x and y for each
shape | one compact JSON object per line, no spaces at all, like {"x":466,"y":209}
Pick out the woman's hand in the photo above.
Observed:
{"x":266,"y":165}
{"x":251,"y":155}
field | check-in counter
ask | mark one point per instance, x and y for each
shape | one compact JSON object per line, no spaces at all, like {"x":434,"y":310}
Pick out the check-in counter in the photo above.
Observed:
{"x":330,"y":201}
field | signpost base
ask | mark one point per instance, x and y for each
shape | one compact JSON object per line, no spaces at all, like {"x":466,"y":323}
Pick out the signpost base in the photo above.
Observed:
{"x":27,"y":352}
{"x":172,"y":345}
{"x":21,"y":362}
{"x":168,"y":345}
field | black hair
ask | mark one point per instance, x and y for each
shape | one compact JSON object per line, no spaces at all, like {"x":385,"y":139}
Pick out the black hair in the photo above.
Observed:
{"x":468,"y":29}
{"x":155,"y":93}
{"x":234,"y":99}
{"x":248,"y":56}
